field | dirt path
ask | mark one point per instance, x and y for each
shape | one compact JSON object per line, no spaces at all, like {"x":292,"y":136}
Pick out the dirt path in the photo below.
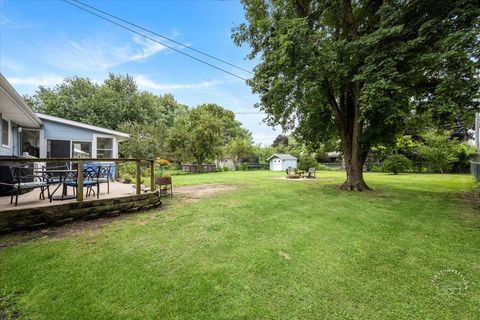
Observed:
{"x":181,"y":195}
{"x":198,"y":192}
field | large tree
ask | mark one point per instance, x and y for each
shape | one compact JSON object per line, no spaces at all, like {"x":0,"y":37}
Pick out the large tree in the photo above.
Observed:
{"x":358,"y":69}
{"x":110,"y":104}
{"x":239,"y":148}
{"x":202,"y":133}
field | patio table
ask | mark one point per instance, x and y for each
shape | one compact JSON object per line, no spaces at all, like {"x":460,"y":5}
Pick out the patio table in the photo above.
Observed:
{"x":62,"y":178}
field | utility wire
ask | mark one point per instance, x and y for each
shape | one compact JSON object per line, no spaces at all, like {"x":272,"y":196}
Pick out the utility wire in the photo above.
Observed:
{"x":161,"y":36}
{"x":156,"y":41}
{"x":249,"y":113}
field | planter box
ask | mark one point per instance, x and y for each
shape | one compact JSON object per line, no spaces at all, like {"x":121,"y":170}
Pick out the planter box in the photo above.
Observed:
{"x":161,"y":181}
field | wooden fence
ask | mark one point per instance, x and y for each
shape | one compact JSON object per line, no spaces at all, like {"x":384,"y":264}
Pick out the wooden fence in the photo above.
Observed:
{"x":198,"y":167}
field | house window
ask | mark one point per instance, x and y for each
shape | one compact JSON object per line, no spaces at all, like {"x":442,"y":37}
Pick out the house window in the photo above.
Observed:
{"x":81,"y":149}
{"x":104,"y":148}
{"x":5,"y":132}
{"x":58,"y":148}
{"x":30,"y":142}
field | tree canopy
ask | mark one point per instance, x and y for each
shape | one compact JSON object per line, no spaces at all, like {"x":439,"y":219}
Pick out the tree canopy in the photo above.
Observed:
{"x":203,"y":132}
{"x":361,"y":71}
{"x":115,"y":101}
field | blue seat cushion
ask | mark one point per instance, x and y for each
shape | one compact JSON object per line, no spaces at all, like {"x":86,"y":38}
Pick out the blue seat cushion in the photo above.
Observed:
{"x":87,"y":183}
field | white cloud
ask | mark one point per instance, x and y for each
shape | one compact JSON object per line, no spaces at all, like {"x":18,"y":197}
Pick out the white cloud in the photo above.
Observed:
{"x":148,"y":48}
{"x":45,"y":80}
{"x":146,"y":83}
{"x":94,"y":54}
{"x":6,"y":22}
{"x":4,"y":19}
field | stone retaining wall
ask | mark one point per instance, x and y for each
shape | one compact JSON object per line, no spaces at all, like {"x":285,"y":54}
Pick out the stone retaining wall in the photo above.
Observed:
{"x":56,"y":215}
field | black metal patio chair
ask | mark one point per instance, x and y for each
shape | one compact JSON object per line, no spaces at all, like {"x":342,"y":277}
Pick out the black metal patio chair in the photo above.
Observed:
{"x":27,"y":182}
{"x":104,"y":176}
{"x":90,"y":176}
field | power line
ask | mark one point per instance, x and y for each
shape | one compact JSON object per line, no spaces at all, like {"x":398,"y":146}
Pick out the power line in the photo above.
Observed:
{"x":161,"y":36}
{"x":250,"y":113}
{"x":154,"y":40}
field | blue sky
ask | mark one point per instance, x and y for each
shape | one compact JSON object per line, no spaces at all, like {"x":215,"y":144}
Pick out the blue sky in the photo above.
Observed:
{"x":41,"y":42}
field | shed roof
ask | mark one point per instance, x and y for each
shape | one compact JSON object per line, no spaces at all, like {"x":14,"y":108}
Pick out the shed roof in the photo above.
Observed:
{"x":282,"y":156}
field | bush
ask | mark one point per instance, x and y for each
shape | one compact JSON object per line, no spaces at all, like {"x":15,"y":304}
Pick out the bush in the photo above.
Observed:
{"x":307,"y":162}
{"x":396,"y":164}
{"x":166,"y":174}
{"x":127,"y":178}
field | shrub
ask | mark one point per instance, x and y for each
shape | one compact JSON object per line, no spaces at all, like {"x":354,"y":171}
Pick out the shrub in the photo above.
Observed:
{"x":307,"y":162}
{"x":396,"y":164}
{"x":127,"y":178}
{"x":166,"y":174}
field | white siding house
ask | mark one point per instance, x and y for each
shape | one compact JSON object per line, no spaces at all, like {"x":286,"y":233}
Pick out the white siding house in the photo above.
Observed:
{"x":281,"y":162}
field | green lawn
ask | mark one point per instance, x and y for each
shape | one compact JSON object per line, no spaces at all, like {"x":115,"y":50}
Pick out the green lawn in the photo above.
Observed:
{"x":271,"y":249}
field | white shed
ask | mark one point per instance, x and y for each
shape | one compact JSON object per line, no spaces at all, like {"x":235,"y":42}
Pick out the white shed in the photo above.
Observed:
{"x":281,"y":162}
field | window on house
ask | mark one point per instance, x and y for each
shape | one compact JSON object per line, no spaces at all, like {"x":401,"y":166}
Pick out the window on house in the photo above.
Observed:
{"x":5,"y":132}
{"x":58,"y":148}
{"x":104,"y":148}
{"x":81,"y":149}
{"x":30,"y":142}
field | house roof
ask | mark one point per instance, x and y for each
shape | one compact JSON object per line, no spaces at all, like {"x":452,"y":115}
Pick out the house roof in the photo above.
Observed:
{"x":14,"y":108}
{"x":121,"y":135}
{"x":282,"y":156}
{"x":333,"y":154}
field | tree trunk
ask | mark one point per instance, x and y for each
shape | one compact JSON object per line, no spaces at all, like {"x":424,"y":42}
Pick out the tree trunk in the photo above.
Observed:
{"x":354,"y":152}
{"x":354,"y":170}
{"x":354,"y":156}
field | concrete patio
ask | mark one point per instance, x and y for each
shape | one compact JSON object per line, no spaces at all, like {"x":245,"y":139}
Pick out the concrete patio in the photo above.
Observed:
{"x":31,"y":199}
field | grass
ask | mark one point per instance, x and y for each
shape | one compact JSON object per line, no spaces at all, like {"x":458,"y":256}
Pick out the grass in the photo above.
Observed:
{"x":271,"y":249}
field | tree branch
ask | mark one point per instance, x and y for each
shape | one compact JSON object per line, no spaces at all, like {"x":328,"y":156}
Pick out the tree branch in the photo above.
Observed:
{"x":333,"y":102}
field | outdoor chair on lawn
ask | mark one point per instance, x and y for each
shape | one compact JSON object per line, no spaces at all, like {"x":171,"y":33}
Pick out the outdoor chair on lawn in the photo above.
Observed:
{"x":311,"y":173}
{"x":27,"y":182}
